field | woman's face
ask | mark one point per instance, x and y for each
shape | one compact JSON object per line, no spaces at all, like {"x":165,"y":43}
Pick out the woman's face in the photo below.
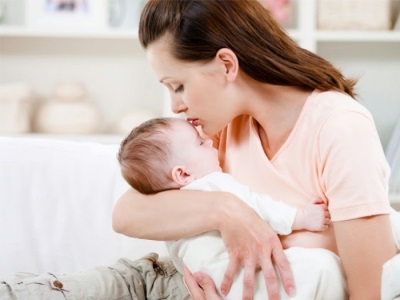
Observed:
{"x":198,"y":89}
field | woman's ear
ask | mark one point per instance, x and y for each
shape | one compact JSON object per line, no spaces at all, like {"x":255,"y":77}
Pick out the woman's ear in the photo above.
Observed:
{"x":181,"y":176}
{"x":230,"y":61}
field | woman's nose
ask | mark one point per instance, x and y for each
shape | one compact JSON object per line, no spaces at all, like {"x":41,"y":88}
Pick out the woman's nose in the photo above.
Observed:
{"x":177,"y":105}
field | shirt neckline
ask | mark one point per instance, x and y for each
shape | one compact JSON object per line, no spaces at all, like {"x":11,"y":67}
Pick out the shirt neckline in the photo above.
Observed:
{"x":255,"y":127}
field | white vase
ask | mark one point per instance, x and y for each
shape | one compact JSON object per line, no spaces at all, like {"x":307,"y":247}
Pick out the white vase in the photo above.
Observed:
{"x":63,"y":117}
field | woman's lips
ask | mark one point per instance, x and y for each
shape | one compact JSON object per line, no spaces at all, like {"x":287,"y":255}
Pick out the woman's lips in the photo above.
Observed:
{"x":194,"y":122}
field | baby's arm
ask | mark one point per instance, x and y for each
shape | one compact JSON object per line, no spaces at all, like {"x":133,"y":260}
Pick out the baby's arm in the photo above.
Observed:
{"x":313,"y":217}
{"x":284,"y":218}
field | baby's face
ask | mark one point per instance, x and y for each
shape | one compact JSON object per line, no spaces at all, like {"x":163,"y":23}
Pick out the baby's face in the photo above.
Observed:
{"x":189,"y":149}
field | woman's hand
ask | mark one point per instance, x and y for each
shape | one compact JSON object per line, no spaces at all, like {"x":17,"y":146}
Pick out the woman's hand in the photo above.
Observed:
{"x":252,"y":244}
{"x":200,"y":286}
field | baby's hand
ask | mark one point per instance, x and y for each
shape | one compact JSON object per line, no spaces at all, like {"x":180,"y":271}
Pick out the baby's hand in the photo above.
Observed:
{"x":313,"y":217}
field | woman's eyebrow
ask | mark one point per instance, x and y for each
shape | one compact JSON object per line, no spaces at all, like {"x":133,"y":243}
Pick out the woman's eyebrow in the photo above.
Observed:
{"x":162,"y":79}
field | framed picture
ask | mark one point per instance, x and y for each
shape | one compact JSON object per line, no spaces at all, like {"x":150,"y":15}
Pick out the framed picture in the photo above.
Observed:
{"x":125,"y":13}
{"x":66,"y":14}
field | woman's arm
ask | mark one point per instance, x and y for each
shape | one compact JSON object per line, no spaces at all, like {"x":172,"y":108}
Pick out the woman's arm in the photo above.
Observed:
{"x":169,"y":215}
{"x":364,"y":245}
{"x":176,"y":214}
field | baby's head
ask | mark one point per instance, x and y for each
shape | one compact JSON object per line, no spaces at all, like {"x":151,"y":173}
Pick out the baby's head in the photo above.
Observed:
{"x":165,"y":153}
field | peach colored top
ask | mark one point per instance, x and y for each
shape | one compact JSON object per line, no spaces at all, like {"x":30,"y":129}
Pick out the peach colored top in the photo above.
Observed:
{"x":333,"y":152}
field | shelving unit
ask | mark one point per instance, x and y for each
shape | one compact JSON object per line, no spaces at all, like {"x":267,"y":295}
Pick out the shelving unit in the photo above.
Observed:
{"x":114,"y":68}
{"x":358,"y":36}
{"x":19,"y":31}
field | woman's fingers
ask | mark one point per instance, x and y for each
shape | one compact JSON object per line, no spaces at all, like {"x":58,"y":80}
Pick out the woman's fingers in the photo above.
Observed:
{"x":248,"y":282}
{"x":230,"y":273}
{"x":271,"y":281}
{"x":284,"y":269}
{"x":252,"y":245}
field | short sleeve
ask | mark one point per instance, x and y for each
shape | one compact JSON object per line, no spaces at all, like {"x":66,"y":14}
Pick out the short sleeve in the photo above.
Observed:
{"x":352,"y":166}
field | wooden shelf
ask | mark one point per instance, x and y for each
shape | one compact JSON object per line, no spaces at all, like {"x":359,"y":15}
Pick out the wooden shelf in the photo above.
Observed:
{"x":20,"y":31}
{"x":358,"y":36}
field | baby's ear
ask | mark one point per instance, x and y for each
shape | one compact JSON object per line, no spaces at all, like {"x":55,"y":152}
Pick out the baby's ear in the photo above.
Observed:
{"x":181,"y":176}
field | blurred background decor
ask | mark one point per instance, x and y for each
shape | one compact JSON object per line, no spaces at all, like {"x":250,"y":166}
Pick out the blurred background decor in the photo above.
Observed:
{"x":129,"y":120}
{"x":124,"y":13}
{"x":112,"y":65}
{"x":278,"y":8}
{"x":69,"y":111}
{"x":393,"y":158}
{"x":354,"y":14}
{"x":2,"y":10}
{"x":397,"y":21}
{"x":66,"y":14}
{"x":16,"y":108}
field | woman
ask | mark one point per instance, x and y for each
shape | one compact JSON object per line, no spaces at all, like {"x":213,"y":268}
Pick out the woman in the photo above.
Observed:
{"x":285,"y":122}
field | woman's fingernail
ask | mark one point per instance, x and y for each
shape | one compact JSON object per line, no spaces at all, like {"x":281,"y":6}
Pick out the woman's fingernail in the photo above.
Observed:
{"x":223,"y":291}
{"x":292,"y":291}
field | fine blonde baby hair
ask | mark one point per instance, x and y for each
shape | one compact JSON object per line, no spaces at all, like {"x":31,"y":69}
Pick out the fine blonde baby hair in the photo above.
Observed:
{"x":143,"y":156}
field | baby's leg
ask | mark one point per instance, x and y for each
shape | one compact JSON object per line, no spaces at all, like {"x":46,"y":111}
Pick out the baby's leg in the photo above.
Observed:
{"x":149,"y":277}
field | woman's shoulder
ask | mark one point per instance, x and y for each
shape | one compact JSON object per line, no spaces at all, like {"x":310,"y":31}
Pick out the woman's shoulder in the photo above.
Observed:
{"x":328,"y":103}
{"x":335,"y":108}
{"x":339,"y":118}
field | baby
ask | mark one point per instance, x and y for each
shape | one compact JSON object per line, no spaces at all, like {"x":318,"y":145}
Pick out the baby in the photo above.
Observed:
{"x":169,"y":153}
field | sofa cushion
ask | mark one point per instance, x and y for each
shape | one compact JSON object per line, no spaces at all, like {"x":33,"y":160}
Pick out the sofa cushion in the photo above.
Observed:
{"x":56,"y":200}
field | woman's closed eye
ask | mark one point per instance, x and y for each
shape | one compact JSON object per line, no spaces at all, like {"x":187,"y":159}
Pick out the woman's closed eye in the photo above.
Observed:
{"x":178,"y":89}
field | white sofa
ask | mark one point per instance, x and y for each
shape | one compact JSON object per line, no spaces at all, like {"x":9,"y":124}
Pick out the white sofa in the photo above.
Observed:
{"x":56,"y":200}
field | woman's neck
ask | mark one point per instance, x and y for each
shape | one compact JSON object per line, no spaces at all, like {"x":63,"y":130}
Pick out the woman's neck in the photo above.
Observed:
{"x":276,"y":109}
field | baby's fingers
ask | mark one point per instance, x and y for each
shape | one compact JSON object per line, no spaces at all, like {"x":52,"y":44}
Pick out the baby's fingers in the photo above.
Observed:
{"x":207,"y":285}
{"x":318,"y":201}
{"x":200,"y":286}
{"x":328,"y":215}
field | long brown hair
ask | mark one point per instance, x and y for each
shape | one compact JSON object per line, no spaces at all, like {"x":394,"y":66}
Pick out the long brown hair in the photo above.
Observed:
{"x":199,"y":28}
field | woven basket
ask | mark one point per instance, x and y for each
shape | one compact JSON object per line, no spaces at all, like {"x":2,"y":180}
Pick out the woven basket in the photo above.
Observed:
{"x":354,"y":14}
